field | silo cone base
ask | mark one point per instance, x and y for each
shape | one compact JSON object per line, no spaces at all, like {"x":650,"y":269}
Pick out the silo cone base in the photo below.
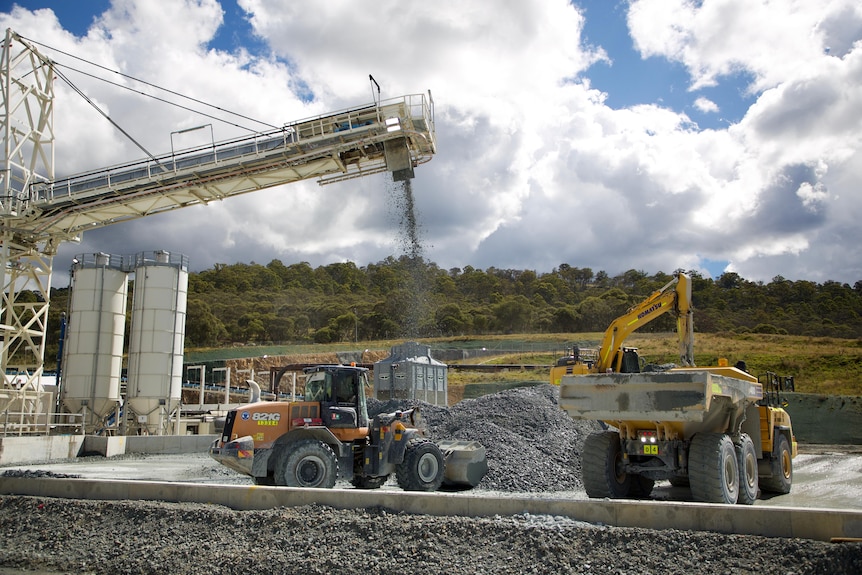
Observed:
{"x":466,"y":463}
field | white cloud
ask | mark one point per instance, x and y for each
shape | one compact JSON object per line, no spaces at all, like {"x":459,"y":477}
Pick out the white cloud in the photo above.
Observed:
{"x":534,"y":168}
{"x":706,"y":105}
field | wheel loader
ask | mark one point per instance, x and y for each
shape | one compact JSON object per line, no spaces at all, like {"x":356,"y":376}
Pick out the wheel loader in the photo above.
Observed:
{"x":328,"y":434}
{"x":718,"y":430}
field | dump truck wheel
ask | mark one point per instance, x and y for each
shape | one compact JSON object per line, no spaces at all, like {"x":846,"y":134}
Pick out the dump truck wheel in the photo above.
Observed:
{"x":306,"y":463}
{"x":422,"y":469}
{"x":712,"y":468}
{"x":367,"y":482}
{"x":746,"y":461}
{"x":601,"y":464}
{"x":679,"y":481}
{"x":782,"y":468}
{"x":641,"y":486}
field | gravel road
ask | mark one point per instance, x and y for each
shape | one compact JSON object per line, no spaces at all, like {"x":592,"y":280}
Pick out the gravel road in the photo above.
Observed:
{"x":533,"y":447}
{"x":157,"y":538}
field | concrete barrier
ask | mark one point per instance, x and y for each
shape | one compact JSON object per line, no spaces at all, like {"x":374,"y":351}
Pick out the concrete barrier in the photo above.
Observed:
{"x":805,"y":523}
{"x":36,"y":449}
{"x":169,"y":444}
{"x":27,"y":449}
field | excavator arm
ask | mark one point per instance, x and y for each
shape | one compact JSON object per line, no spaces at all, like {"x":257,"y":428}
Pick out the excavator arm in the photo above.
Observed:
{"x":676,"y":297}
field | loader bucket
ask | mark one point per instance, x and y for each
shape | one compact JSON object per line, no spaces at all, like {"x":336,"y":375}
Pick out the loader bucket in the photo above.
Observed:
{"x":465,"y":462}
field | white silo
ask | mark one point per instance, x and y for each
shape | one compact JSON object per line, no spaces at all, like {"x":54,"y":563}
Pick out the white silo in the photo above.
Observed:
{"x":93,"y":353}
{"x":154,"y":387}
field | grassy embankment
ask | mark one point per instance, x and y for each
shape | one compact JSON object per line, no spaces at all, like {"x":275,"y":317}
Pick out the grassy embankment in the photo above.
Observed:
{"x":820,"y":365}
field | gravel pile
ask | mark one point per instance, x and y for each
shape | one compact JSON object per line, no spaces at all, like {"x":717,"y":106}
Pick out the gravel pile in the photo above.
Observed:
{"x":133,"y":537}
{"x":532,"y":445}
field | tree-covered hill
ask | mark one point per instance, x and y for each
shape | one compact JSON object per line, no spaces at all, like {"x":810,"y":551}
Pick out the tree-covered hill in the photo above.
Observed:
{"x":411,"y":298}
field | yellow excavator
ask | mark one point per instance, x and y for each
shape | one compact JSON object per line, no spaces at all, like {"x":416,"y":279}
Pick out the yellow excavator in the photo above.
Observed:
{"x":612,"y":356}
{"x":718,"y":430}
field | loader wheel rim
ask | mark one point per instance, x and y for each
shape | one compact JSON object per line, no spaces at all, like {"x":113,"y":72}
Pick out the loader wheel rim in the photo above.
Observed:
{"x":310,"y":470}
{"x":427,"y":467}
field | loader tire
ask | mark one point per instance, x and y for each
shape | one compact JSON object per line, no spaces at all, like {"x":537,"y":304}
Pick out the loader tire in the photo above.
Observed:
{"x":712,"y":469}
{"x":422,"y":468}
{"x":306,"y":463}
{"x":601,"y":463}
{"x":268,"y":480}
{"x":746,"y":461}
{"x":782,"y":468}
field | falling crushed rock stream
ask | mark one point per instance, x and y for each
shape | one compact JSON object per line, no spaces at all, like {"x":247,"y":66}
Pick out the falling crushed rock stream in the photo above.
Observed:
{"x":410,"y":245}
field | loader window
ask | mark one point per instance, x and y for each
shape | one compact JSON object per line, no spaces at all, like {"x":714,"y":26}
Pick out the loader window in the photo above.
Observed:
{"x":318,"y":387}
{"x":345,"y":389}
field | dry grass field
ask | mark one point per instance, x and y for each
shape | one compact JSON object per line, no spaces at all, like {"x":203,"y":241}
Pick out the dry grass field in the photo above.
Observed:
{"x":827,"y":366}
{"x":819,"y":365}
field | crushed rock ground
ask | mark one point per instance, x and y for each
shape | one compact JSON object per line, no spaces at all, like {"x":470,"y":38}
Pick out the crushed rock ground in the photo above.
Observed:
{"x":532,"y":447}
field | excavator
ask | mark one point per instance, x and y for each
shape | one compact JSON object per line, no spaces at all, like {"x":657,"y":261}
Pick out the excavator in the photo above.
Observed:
{"x":719,"y":430}
{"x":612,"y":356}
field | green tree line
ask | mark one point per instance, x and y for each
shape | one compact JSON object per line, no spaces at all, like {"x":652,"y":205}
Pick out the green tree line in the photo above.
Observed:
{"x":409,"y":297}
{"x":406,"y":297}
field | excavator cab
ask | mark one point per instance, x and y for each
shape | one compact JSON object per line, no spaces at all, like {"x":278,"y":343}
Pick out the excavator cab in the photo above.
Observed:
{"x":627,"y":360}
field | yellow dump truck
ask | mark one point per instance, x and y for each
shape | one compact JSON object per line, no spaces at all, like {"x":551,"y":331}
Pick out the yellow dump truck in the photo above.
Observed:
{"x":719,"y":430}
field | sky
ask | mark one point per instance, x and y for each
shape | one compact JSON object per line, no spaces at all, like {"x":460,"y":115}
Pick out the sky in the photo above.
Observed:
{"x":711,"y":135}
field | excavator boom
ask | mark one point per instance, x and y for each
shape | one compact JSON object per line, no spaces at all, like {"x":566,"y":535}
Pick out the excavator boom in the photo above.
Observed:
{"x":676,"y":297}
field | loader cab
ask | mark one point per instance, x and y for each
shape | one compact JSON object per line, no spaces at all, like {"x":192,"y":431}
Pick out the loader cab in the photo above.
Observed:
{"x":340,"y":389}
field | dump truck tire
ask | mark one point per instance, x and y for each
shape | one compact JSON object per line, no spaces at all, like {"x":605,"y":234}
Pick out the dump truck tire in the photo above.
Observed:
{"x":679,"y":481}
{"x":746,"y":461}
{"x":601,"y":464}
{"x":422,"y":468}
{"x":782,"y":468}
{"x":368,"y":482}
{"x":641,"y":487}
{"x":712,"y":469}
{"x":306,"y":463}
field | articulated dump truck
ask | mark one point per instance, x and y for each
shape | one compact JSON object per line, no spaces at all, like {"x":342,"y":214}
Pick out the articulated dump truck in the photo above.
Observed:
{"x":328,"y":434}
{"x":712,"y":429}
{"x":718,"y":430}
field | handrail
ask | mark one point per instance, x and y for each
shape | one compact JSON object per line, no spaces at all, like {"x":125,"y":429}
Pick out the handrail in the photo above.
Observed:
{"x":21,"y":428}
{"x":293,"y":133}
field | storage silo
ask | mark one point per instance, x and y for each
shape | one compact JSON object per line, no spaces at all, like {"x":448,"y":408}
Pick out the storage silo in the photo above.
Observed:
{"x":411,"y":373}
{"x":154,"y":389}
{"x":93,"y":352}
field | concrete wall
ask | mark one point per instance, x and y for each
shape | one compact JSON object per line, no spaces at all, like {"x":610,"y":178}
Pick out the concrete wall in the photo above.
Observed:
{"x":169,"y":443}
{"x":17,"y":450}
{"x":39,"y":448}
{"x":830,"y":419}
